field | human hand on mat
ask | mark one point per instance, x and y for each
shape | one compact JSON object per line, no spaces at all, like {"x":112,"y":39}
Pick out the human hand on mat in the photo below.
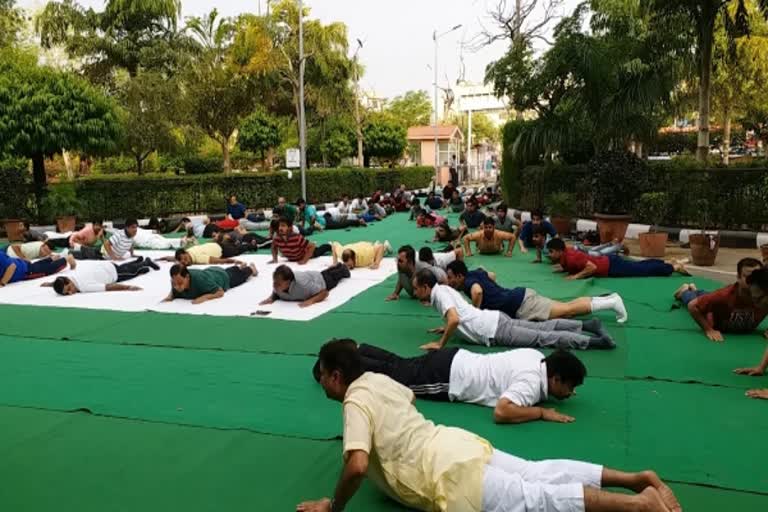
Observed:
{"x":556,"y":417}
{"x":434,"y":345}
{"x":715,"y":335}
{"x":322,"y":505}
{"x":524,"y":250}
{"x":758,"y":393}
{"x":437,"y":330}
{"x":392,"y":296}
{"x":571,"y":277}
{"x":752,"y":372}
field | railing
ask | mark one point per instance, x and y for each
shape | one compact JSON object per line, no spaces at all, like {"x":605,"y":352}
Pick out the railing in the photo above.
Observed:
{"x":716,"y":198}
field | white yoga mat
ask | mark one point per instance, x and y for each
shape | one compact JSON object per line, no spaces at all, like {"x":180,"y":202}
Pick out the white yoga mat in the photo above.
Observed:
{"x":241,"y":301}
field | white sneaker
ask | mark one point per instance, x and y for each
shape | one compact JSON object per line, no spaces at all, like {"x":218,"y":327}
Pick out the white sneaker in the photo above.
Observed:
{"x":388,"y":248}
{"x":618,"y":306}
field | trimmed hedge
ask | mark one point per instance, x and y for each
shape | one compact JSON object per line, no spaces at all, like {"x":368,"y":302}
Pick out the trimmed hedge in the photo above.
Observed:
{"x":119,"y":196}
{"x":724,"y":198}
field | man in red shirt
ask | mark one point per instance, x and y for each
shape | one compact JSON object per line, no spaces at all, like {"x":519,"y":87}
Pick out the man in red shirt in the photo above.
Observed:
{"x":581,"y":265}
{"x":294,"y":246}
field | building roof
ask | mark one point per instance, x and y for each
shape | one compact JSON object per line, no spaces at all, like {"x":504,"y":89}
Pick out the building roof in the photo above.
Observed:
{"x":428,"y":132}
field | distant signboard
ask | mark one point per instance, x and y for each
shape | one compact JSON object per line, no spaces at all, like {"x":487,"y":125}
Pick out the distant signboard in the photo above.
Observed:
{"x":292,"y":158}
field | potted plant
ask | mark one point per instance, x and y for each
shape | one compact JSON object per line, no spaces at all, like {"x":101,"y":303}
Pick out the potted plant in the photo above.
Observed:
{"x":704,"y":246}
{"x":652,"y":207}
{"x":61,"y":203}
{"x":562,"y":208}
{"x":13,"y":198}
{"x":617,"y":179}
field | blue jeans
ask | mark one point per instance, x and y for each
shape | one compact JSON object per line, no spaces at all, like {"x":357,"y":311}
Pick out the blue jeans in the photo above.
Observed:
{"x":688,"y":295}
{"x":619,"y":267}
{"x":600,"y":250}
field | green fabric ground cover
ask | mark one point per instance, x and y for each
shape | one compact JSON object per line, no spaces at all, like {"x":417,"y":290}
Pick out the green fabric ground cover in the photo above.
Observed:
{"x":153,"y":373}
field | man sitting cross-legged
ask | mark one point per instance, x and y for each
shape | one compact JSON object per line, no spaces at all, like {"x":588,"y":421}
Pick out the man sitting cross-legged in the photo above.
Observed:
{"x":102,"y":276}
{"x":492,"y":328}
{"x":293,"y":245}
{"x":307,"y":287}
{"x":737,"y":308}
{"x":207,"y":284}
{"x":489,"y":240}
{"x":361,"y":254}
{"x":512,"y":382}
{"x":580,"y":265}
{"x":525,"y":303}
{"x":436,"y":468}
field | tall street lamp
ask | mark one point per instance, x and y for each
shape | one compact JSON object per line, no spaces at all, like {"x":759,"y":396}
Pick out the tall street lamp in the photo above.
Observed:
{"x":358,"y":119}
{"x":435,"y":38}
{"x":302,"y":119}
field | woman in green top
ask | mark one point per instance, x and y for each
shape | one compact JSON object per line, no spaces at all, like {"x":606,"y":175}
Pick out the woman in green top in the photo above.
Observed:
{"x":200,"y":285}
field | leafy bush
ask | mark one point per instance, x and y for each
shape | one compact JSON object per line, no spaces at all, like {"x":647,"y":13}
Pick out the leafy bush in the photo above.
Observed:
{"x":562,"y":204}
{"x":652,"y":208}
{"x":61,"y":201}
{"x":194,"y":164}
{"x":115,"y":165}
{"x":511,"y":166}
{"x":14,"y":188}
{"x":618,"y":178}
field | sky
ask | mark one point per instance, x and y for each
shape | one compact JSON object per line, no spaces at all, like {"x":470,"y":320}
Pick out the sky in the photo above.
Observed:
{"x":398,"y":51}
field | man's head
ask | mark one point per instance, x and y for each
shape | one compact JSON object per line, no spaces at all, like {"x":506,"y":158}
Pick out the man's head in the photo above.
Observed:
{"x":426,"y":255}
{"x":339,"y":365}
{"x":284,"y":226}
{"x":282,"y":278}
{"x":537,"y":216}
{"x":556,"y":248}
{"x":758,"y":287}
{"x":232,"y":199}
{"x":443,"y":232}
{"x":455,"y":194}
{"x":450,"y":183}
{"x":423,"y":282}
{"x":47,"y":249}
{"x":457,"y":272}
{"x":301,"y":203}
{"x":489,"y":227}
{"x":430,"y":195}
{"x":281,"y":202}
{"x":744,"y":269}
{"x":501,"y":211}
{"x":539,"y":236}
{"x":183,"y":257}
{"x":98,"y":227}
{"x":349,"y":258}
{"x":64,"y":286}
{"x":131,"y":227}
{"x":565,"y":372}
{"x":180,"y":278}
{"x":472,"y":205}
{"x":406,"y":259}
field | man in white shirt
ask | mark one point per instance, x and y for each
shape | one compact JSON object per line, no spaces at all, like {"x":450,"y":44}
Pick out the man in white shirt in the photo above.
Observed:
{"x":436,"y":468}
{"x":511,"y":382}
{"x":102,"y":276}
{"x":492,"y":328}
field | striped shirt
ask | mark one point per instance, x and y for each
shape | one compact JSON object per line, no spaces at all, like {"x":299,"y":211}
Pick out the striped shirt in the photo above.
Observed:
{"x":121,"y":244}
{"x":292,"y":247}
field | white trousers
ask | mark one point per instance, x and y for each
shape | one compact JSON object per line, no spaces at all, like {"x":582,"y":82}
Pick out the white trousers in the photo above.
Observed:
{"x":512,"y":484}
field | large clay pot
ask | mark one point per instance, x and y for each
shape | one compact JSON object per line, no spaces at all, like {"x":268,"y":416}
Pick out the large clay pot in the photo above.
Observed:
{"x":704,"y":249}
{"x":612,"y":227}
{"x":66,"y":224}
{"x":562,"y":225}
{"x":764,"y":252}
{"x":653,"y":245}
{"x":14,"y":230}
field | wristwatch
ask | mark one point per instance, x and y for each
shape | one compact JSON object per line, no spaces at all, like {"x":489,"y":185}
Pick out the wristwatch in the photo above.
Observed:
{"x":333,"y":506}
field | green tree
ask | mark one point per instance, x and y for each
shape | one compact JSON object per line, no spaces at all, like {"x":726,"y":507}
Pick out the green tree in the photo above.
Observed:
{"x":483,"y":129}
{"x":259,"y":133}
{"x":151,"y":108}
{"x":11,"y":23}
{"x":43,"y":111}
{"x":383,"y":138}
{"x":705,"y":14}
{"x":411,"y":109}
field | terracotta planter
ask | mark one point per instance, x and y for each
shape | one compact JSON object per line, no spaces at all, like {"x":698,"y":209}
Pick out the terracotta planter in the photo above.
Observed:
{"x":66,"y":224}
{"x":14,"y":230}
{"x":764,"y":252}
{"x":653,"y":245}
{"x":612,"y":227}
{"x":562,"y":225}
{"x":704,"y":249}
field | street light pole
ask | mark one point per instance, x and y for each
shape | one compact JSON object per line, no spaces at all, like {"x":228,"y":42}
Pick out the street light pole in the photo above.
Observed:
{"x":358,"y":118}
{"x":302,"y":120}
{"x":435,"y":38}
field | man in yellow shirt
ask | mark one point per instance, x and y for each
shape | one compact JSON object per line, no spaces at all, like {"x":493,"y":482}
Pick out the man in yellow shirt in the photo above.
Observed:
{"x":361,"y":254}
{"x":436,"y":468}
{"x":205,"y":254}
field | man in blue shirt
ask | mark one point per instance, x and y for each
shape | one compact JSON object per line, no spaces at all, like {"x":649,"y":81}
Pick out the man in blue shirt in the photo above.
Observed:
{"x":472,"y":217}
{"x":16,"y":269}
{"x":235,"y":210}
{"x":526,"y":233}
{"x":525,"y":303}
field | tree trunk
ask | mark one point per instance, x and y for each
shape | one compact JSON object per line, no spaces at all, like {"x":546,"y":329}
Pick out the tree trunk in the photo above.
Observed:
{"x":706,"y":41}
{"x":225,"y":153}
{"x":270,"y":158}
{"x":139,"y":164}
{"x":38,"y":174}
{"x":68,"y":164}
{"x":727,"y":134}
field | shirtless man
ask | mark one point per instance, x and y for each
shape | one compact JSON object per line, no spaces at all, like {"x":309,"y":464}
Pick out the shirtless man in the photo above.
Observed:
{"x":490,"y":240}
